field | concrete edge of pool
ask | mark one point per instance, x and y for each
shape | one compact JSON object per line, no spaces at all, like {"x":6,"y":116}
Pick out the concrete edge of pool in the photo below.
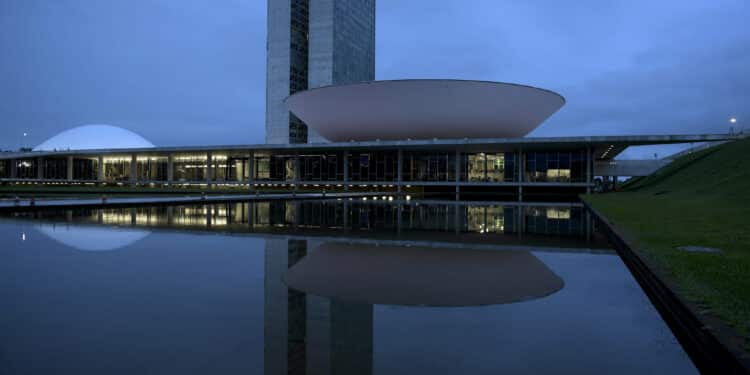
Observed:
{"x":706,"y":343}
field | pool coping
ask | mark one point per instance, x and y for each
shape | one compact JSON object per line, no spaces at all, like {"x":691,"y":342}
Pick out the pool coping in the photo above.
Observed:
{"x":713,"y":346}
{"x":26,"y":204}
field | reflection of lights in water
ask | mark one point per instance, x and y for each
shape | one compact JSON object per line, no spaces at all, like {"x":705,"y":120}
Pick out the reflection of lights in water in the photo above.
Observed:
{"x":88,"y":238}
{"x":23,"y":236}
{"x":558,"y":213}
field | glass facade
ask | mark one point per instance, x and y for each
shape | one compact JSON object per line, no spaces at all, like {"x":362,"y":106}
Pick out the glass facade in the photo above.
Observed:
{"x":85,"y":169}
{"x":262,"y":168}
{"x":55,"y":168}
{"x":429,"y":166}
{"x":324,"y":167}
{"x":555,"y":166}
{"x":373,"y":166}
{"x":26,"y":168}
{"x":490,"y":167}
{"x":190,"y":168}
{"x":230,"y":168}
{"x":364,"y":167}
{"x":298,"y":63}
{"x":151,"y":168}
{"x":117,"y":169}
{"x":4,"y":168}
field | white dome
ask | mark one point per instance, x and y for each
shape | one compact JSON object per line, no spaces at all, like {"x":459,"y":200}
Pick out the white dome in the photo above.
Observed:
{"x":92,"y":137}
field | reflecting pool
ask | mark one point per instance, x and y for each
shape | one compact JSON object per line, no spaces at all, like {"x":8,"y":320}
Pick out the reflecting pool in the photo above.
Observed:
{"x":323,"y":287}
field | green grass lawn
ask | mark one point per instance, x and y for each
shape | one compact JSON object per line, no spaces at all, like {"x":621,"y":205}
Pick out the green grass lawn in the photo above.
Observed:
{"x":702,"y":199}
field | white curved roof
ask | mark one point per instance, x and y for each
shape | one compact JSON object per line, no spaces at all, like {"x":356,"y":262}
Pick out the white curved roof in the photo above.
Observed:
{"x":91,"y":137}
{"x":424,"y":109}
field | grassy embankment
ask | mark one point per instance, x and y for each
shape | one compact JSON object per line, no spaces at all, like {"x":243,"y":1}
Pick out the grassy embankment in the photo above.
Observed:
{"x":702,"y":199}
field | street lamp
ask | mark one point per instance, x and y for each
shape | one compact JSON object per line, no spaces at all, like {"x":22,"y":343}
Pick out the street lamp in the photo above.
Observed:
{"x":733,"y":121}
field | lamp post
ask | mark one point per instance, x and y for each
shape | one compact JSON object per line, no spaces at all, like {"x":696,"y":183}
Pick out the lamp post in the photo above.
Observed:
{"x":23,"y":140}
{"x":733,"y":121}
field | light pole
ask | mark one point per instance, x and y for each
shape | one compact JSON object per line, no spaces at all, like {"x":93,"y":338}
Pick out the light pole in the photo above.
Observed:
{"x":733,"y":121}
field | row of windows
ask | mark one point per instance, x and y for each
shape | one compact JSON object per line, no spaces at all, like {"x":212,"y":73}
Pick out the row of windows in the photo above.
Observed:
{"x":298,"y":64}
{"x":362,"y":167}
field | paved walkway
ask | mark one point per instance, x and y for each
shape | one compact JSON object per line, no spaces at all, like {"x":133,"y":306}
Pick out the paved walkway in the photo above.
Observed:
{"x":90,"y":202}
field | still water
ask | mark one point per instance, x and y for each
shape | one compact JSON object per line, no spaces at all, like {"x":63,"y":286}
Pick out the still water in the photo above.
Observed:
{"x":323,"y":287}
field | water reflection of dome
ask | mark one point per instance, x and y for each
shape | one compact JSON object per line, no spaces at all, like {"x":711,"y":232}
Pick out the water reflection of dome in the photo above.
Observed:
{"x":399,"y":275}
{"x":87,"y":238}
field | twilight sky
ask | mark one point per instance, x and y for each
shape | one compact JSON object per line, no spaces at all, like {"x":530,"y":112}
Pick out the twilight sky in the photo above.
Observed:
{"x":184,"y":72}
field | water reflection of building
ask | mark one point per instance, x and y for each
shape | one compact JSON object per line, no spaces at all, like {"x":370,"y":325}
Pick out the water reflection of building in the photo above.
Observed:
{"x":352,"y":216}
{"x":306,"y":334}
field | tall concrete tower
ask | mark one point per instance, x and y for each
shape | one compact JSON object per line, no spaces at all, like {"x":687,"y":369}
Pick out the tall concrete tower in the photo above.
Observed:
{"x":313,"y":43}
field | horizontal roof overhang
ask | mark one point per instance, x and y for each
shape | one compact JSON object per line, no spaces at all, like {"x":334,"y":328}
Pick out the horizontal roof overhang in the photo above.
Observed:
{"x":604,"y":147}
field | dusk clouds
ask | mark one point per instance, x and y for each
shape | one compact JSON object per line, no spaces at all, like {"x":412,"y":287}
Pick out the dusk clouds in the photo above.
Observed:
{"x":193,"y":72}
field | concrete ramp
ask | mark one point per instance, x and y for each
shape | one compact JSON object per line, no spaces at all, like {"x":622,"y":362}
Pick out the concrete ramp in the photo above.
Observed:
{"x":629,"y":168}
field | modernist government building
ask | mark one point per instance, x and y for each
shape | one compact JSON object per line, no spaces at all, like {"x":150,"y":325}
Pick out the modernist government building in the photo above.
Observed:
{"x":329,"y":125}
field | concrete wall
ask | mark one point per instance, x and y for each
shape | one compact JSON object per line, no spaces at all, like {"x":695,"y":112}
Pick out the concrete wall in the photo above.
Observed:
{"x":342,"y":45}
{"x":277,"y":71}
{"x":631,"y":168}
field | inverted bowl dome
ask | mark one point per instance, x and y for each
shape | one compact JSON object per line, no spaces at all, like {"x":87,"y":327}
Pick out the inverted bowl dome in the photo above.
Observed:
{"x":400,"y":275}
{"x":423,"y":109}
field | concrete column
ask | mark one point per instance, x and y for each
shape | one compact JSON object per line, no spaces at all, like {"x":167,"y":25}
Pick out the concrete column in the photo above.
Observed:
{"x":400,"y":172}
{"x":133,"y":170}
{"x":589,"y":162}
{"x":296,"y":171}
{"x":13,"y":168}
{"x":100,"y":172}
{"x":39,"y":168}
{"x":399,"y":213}
{"x":520,"y":175}
{"x":209,"y":169}
{"x":250,"y":214}
{"x":170,"y":169}
{"x":457,"y":177}
{"x":251,"y":171}
{"x":346,"y":213}
{"x":614,"y":183}
{"x":456,"y":218}
{"x":346,"y":170}
{"x":69,"y":169}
